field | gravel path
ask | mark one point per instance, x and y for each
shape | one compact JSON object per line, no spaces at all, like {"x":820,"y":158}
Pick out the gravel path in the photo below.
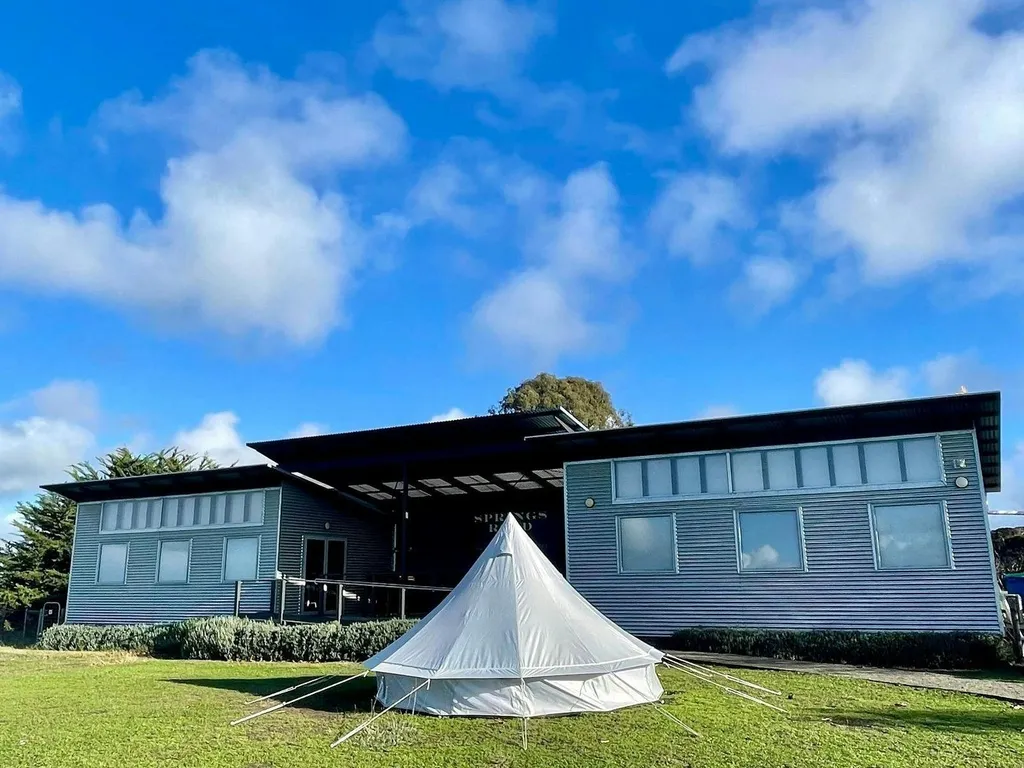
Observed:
{"x":961,"y":682}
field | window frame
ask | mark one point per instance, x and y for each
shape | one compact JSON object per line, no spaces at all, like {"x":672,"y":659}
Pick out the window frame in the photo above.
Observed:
{"x":801,"y":541}
{"x":188,"y":562}
{"x":936,"y":438}
{"x":946,"y":532}
{"x":618,"y":545}
{"x":224,"y":559}
{"x":99,"y":559}
{"x":181,"y":497}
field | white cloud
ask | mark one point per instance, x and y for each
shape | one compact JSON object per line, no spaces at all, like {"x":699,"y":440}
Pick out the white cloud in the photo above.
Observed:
{"x":855,"y":381}
{"x":450,"y":415}
{"x":946,"y":374}
{"x":766,"y":282}
{"x":10,"y":109}
{"x":309,"y":429}
{"x":913,"y":109}
{"x":718,"y":411}
{"x":475,"y":44}
{"x":550,"y":308}
{"x":251,"y":239}
{"x":696,"y":213}
{"x":765,"y":556}
{"x":217,"y":436}
{"x":443,"y":194}
{"x":77,"y":402}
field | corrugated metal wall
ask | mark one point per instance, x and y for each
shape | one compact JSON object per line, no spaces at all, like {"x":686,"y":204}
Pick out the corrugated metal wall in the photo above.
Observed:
{"x":841,"y":588}
{"x":141,"y":600}
{"x":304,"y":513}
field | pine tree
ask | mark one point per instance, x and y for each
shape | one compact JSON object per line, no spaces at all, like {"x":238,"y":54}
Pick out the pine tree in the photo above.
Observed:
{"x":35,"y":564}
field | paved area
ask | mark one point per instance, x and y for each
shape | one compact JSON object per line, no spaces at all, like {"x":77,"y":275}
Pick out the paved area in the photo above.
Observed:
{"x":1008,"y":689}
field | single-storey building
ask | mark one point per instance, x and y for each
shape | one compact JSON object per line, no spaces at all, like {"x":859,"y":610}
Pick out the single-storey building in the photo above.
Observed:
{"x":867,"y":517}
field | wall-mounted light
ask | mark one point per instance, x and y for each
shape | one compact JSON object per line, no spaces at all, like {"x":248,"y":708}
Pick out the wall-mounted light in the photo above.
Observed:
{"x":327,"y":526}
{"x":589,"y":503}
{"x":961,"y":482}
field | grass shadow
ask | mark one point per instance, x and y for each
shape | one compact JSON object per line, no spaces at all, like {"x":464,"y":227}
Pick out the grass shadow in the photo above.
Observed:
{"x":961,"y":722}
{"x":1007,"y":675}
{"x":354,"y":696}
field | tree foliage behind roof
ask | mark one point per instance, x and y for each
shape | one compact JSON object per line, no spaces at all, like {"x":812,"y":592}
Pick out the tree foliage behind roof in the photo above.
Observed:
{"x":585,"y":399}
{"x":1008,"y":546}
{"x":35,"y":564}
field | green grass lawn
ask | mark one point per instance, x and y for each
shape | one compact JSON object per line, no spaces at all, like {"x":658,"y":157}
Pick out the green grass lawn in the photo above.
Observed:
{"x":84,"y":710}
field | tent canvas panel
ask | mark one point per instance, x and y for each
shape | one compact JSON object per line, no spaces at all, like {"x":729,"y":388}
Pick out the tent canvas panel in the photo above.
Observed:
{"x":512,"y":697}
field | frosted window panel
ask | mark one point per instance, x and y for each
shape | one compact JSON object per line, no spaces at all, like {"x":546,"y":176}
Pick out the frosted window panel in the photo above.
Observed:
{"x":205,"y":510}
{"x":235,"y":508}
{"x":781,"y":470}
{"x":814,"y":467}
{"x":746,"y":472}
{"x":219,"y":508}
{"x":646,"y":544}
{"x":770,"y":541}
{"x":922,"y":460}
{"x":170,"y":518}
{"x":141,"y":514}
{"x":187,"y":511}
{"x":240,"y":559}
{"x":124,"y":516}
{"x":108,"y":521}
{"x":716,"y":473}
{"x":688,"y":475}
{"x":254,"y":510}
{"x":882,"y":462}
{"x":113,"y":563}
{"x":155,"y":512}
{"x":628,"y":480}
{"x":846,"y":461}
{"x":173,"y":565}
{"x":911,"y":536}
{"x":659,"y":477}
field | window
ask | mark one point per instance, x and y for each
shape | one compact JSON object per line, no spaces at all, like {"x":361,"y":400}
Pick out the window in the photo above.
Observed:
{"x":241,"y":558}
{"x":770,"y":541}
{"x":647,"y":544}
{"x":172,"y":565}
{"x":911,"y":536}
{"x":746,"y":472}
{"x":240,"y":508}
{"x":113,"y":564}
{"x":921,"y":458}
{"x":814,"y":467}
{"x":840,"y":465}
{"x":629,"y":483}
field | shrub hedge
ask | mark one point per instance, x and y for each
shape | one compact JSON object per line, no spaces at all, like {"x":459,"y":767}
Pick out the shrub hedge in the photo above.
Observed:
{"x":228,"y":638}
{"x":915,"y":650}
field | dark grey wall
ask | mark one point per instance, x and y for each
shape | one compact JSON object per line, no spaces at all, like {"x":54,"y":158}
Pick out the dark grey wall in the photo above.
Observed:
{"x":841,"y":587}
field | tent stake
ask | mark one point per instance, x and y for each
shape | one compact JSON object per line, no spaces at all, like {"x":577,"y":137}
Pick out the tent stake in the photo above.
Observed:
{"x":676,"y":720}
{"x":300,"y":698}
{"x":524,"y":734}
{"x":289,"y":690}
{"x":358,"y":728}
{"x":710,"y":671}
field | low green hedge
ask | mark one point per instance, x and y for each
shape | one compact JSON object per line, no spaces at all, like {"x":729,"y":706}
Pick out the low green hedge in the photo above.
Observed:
{"x":915,"y":650}
{"x":232,"y":639}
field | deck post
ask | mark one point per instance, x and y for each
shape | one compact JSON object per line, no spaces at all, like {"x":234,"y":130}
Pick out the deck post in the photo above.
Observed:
{"x":284,"y":584}
{"x":403,"y":535}
{"x":401,"y":603}
{"x":1016,"y":621}
{"x":238,"y":598}
{"x":341,"y":601}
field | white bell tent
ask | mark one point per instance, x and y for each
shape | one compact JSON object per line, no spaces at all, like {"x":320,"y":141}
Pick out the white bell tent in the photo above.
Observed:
{"x":514,"y":639}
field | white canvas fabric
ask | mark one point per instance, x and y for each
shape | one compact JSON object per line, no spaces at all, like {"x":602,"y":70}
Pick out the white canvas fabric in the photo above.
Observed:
{"x":515,"y":639}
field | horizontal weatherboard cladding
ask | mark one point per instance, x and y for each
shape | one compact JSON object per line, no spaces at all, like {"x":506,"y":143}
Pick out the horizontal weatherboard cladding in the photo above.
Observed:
{"x":368,"y":536}
{"x":141,"y":600}
{"x":841,"y":588}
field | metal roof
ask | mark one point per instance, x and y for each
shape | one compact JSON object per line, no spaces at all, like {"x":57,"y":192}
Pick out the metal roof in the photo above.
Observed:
{"x":171,"y":483}
{"x":979,"y":412}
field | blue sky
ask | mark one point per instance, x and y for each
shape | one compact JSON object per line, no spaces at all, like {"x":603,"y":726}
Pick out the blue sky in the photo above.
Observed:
{"x":231,"y":222}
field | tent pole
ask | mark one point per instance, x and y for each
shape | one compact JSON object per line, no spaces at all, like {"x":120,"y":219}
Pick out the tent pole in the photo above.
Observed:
{"x":358,"y":728}
{"x":300,"y":698}
{"x":288,"y":690}
{"x":676,"y":720}
{"x":709,"y":671}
